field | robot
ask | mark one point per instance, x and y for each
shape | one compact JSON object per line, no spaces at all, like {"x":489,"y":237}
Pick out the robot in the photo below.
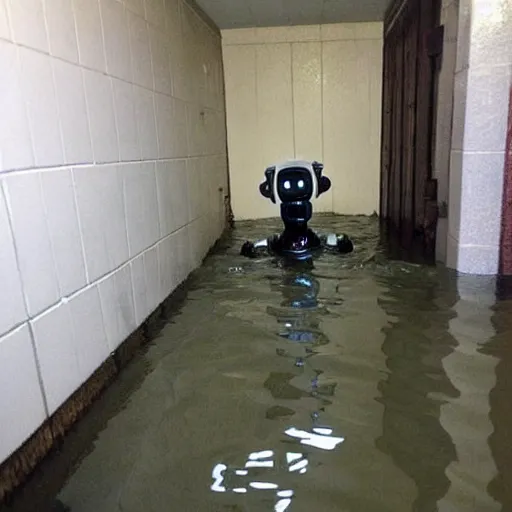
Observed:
{"x":293,"y":185}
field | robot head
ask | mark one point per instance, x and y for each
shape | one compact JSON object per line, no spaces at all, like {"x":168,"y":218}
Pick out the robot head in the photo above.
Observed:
{"x":294,"y":185}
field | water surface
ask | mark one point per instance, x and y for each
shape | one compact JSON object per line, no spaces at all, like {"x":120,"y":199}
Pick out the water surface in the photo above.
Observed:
{"x":361,"y":384}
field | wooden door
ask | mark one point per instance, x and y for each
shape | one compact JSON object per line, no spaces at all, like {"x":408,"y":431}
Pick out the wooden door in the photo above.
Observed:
{"x":412,"y":50}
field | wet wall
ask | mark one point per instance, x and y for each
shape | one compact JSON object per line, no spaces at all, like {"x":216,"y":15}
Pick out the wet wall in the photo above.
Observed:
{"x":113,"y":180}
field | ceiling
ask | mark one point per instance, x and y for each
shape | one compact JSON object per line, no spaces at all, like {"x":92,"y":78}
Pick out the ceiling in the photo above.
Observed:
{"x":270,"y":13}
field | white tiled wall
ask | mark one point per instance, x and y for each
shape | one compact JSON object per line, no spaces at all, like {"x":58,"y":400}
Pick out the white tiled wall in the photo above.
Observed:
{"x":311,"y":92}
{"x":112,"y":154}
{"x":483,"y":78}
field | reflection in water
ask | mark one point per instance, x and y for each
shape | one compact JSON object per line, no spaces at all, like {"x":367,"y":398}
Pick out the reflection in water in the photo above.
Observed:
{"x":286,"y":363}
{"x":500,"y":441}
{"x":466,"y":418}
{"x":416,"y":386}
{"x":226,"y":479}
{"x":299,"y":315}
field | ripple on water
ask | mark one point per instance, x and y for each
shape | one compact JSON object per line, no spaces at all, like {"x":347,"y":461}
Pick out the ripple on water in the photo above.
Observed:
{"x":361,"y":384}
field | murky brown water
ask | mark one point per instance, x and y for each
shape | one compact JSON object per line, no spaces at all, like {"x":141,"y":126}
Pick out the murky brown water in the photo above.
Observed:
{"x":358,"y":385}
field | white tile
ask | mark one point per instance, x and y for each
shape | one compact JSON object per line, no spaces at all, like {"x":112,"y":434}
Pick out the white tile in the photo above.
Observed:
{"x":146,"y":123}
{"x":182,"y":252}
{"x":164,"y":123}
{"x":31,"y":235}
{"x":172,"y":17}
{"x":88,"y":331}
{"x":139,"y":289}
{"x":349,"y":103}
{"x":160,"y":60}
{"x":351,"y":31}
{"x":141,"y":206}
{"x":485,"y":126}
{"x":194,"y":187}
{"x":124,"y":103}
{"x":155,"y":12}
{"x":61,"y":29}
{"x":167,"y":266}
{"x":99,"y":193}
{"x":274,"y":101}
{"x":151,"y":272}
{"x":117,"y":306}
{"x":188,"y":76}
{"x":22,"y":409}
{"x":39,"y":91}
{"x":140,"y":51}
{"x":239,"y":36}
{"x":117,"y":39}
{"x":197,"y":119}
{"x":490,"y":46}
{"x":62,"y":218}
{"x":89,"y":33}
{"x":165,"y":186}
{"x":56,"y":355}
{"x":172,"y":195}
{"x":307,"y":100}
{"x":135,"y":6}
{"x":12,"y":305}
{"x":180,"y":64}
{"x":5,"y":31}
{"x":479,"y":260}
{"x":243,"y":135}
{"x":290,"y":34}
{"x":15,"y":141}
{"x":481,"y":202}
{"x":100,"y":104}
{"x":28,"y":23}
{"x":73,"y":113}
{"x":179,"y":129}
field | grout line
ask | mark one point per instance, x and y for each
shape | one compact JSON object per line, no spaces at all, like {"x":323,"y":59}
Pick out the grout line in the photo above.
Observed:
{"x":20,"y":170}
{"x":24,"y":294}
{"x":5,"y":194}
{"x":99,"y":280}
{"x":116,"y":120}
{"x":102,"y":30}
{"x":79,"y":220}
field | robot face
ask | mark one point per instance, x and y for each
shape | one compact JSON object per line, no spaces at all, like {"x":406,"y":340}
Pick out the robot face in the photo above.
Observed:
{"x":294,"y":184}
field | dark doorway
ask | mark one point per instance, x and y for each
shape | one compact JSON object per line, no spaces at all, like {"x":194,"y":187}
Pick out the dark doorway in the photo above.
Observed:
{"x":413,"y":43}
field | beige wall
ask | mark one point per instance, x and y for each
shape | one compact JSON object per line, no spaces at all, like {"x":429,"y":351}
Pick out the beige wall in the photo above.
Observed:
{"x":310,"y":92}
{"x":112,"y":152}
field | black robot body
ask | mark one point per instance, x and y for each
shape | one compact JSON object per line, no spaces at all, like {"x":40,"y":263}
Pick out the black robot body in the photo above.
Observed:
{"x":294,"y":185}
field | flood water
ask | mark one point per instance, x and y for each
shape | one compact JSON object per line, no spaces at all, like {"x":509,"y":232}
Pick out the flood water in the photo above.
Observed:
{"x":361,"y":384}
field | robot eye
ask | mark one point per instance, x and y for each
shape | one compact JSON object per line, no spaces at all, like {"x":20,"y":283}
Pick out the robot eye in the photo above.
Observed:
{"x":287,"y":185}
{"x":300,"y":184}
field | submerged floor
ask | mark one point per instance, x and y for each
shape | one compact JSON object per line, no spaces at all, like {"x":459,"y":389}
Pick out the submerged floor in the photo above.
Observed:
{"x":359,"y":385}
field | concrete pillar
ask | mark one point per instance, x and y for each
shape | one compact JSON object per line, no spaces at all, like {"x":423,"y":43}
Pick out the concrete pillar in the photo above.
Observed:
{"x":480,"y":109}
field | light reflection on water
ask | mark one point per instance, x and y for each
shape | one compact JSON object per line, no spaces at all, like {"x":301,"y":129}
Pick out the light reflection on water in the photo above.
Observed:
{"x":360,"y":384}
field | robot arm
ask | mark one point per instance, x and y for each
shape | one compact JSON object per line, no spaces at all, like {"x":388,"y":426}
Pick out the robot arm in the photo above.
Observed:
{"x":341,"y":243}
{"x":254,"y":249}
